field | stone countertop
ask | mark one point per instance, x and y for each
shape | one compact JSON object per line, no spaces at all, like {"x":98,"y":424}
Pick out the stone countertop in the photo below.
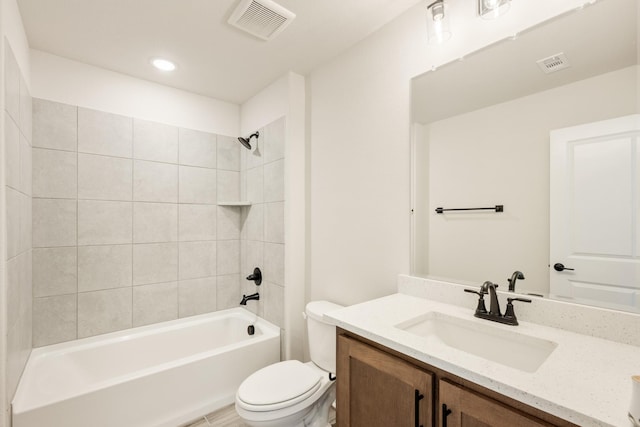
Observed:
{"x":586,"y":380}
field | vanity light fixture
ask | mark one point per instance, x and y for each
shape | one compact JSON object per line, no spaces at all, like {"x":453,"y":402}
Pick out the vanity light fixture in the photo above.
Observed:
{"x":438,"y":22}
{"x":163,"y":64}
{"x":491,"y":9}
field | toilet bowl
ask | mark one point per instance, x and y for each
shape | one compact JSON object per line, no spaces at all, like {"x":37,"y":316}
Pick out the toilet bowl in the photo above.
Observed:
{"x":292,"y":393}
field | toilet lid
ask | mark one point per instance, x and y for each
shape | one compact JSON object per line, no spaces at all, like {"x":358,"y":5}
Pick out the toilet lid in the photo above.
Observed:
{"x":279,"y":385}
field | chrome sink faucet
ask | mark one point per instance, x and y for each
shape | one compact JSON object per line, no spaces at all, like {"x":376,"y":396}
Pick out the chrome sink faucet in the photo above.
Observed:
{"x":494,"y":314}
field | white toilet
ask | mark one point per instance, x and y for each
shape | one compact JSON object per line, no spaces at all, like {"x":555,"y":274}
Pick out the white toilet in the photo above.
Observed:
{"x":292,"y":393}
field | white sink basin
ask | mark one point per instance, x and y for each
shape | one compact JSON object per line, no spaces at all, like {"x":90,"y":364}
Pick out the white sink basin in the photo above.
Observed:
{"x":481,"y":339}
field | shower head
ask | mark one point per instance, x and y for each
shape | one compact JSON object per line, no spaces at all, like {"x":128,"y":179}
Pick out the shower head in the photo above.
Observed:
{"x":246,"y":142}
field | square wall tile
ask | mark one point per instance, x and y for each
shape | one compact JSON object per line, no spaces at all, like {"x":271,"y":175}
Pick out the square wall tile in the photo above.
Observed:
{"x":155,"y":303}
{"x":155,"y":222}
{"x":274,"y":222}
{"x":104,"y":267}
{"x":255,"y":185}
{"x":274,"y":263}
{"x":55,"y":271}
{"x":274,"y":181}
{"x":19,"y":220}
{"x":228,"y":291}
{"x":197,"y":185}
{"x":155,"y":182}
{"x":273,"y":303}
{"x":55,"y":125}
{"x":26,"y":166}
{"x":228,"y":222}
{"x":11,"y":83}
{"x":12,"y":152}
{"x":197,"y":148}
{"x":228,"y":153}
{"x":155,"y":263}
{"x":274,"y":140}
{"x":13,"y":201}
{"x":54,"y":222}
{"x":228,"y":257}
{"x":104,"y":133}
{"x":197,"y":222}
{"x":255,"y":158}
{"x":228,"y":186}
{"x":26,"y":110}
{"x":196,"y":296}
{"x":16,"y":278}
{"x":155,"y":141}
{"x":197,"y":259}
{"x":25,"y":242}
{"x":54,"y":319}
{"x":104,"y":223}
{"x":252,"y":256}
{"x":253,"y":227}
{"x":26,"y":295}
{"x":101,"y":312}
{"x":18,"y":348}
{"x":104,"y":178}
{"x":55,"y":174}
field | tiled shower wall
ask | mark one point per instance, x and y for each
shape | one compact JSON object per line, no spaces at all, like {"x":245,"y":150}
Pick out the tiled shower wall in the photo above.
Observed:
{"x":126,"y":226}
{"x":263,"y":222}
{"x":17,"y":166}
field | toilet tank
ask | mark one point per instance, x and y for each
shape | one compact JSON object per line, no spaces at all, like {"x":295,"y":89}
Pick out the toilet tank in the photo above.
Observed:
{"x":322,"y":336}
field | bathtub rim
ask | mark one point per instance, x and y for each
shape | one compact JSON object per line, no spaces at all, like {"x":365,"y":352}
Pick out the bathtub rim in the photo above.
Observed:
{"x":270,"y":331}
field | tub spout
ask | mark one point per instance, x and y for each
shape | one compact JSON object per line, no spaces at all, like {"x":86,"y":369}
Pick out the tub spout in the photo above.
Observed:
{"x":246,"y":298}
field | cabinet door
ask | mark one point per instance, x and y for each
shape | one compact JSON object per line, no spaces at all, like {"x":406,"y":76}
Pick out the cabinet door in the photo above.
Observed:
{"x":469,"y":409}
{"x":376,"y":389}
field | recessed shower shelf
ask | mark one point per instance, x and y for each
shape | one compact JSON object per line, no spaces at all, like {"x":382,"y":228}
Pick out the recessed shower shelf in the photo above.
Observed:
{"x":237,"y":203}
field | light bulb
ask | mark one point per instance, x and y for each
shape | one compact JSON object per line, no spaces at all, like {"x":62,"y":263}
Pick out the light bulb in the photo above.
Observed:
{"x":163,"y":64}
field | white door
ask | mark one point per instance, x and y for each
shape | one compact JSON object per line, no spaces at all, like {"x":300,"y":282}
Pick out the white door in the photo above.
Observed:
{"x":595,"y":213}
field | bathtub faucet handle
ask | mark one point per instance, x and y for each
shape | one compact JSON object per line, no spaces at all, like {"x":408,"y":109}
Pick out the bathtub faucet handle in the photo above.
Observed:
{"x":256,"y":276}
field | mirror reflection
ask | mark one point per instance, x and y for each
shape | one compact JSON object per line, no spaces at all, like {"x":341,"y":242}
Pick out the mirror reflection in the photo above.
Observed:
{"x":544,"y":124}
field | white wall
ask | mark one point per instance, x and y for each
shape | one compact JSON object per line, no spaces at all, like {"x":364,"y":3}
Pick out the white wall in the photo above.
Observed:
{"x":286,"y":97}
{"x":360,"y":138}
{"x":62,"y":80}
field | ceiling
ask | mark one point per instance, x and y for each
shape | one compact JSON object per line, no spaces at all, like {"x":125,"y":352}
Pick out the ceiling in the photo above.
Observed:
{"x":213,"y":58}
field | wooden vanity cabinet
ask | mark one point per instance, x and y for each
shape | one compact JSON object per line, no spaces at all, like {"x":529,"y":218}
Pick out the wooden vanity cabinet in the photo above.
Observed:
{"x":379,"y":387}
{"x":469,"y":409}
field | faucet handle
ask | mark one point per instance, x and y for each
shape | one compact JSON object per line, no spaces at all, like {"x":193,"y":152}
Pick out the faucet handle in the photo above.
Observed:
{"x":481,"y":308}
{"x":509,"y":314}
{"x":518,"y":299}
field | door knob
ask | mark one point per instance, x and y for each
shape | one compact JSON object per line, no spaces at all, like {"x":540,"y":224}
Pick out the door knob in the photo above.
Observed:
{"x":560,"y":267}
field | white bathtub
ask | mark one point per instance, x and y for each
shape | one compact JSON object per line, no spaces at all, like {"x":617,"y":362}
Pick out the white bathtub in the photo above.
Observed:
{"x":158,"y":375}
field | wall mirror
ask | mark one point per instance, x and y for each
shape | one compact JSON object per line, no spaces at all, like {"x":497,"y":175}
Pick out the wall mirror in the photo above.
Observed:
{"x":544,"y":124}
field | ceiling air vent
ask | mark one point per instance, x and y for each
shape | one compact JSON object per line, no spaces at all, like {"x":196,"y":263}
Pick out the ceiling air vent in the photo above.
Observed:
{"x":264,"y":19}
{"x":554,"y":63}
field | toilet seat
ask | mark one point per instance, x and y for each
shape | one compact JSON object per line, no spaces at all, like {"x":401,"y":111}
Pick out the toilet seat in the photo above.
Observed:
{"x":278,"y":386}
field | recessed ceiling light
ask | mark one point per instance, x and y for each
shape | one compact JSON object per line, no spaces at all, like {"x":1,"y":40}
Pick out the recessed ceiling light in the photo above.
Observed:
{"x":163,"y":64}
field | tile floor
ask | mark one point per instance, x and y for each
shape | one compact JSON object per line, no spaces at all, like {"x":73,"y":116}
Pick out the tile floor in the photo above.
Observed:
{"x":225,"y":417}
